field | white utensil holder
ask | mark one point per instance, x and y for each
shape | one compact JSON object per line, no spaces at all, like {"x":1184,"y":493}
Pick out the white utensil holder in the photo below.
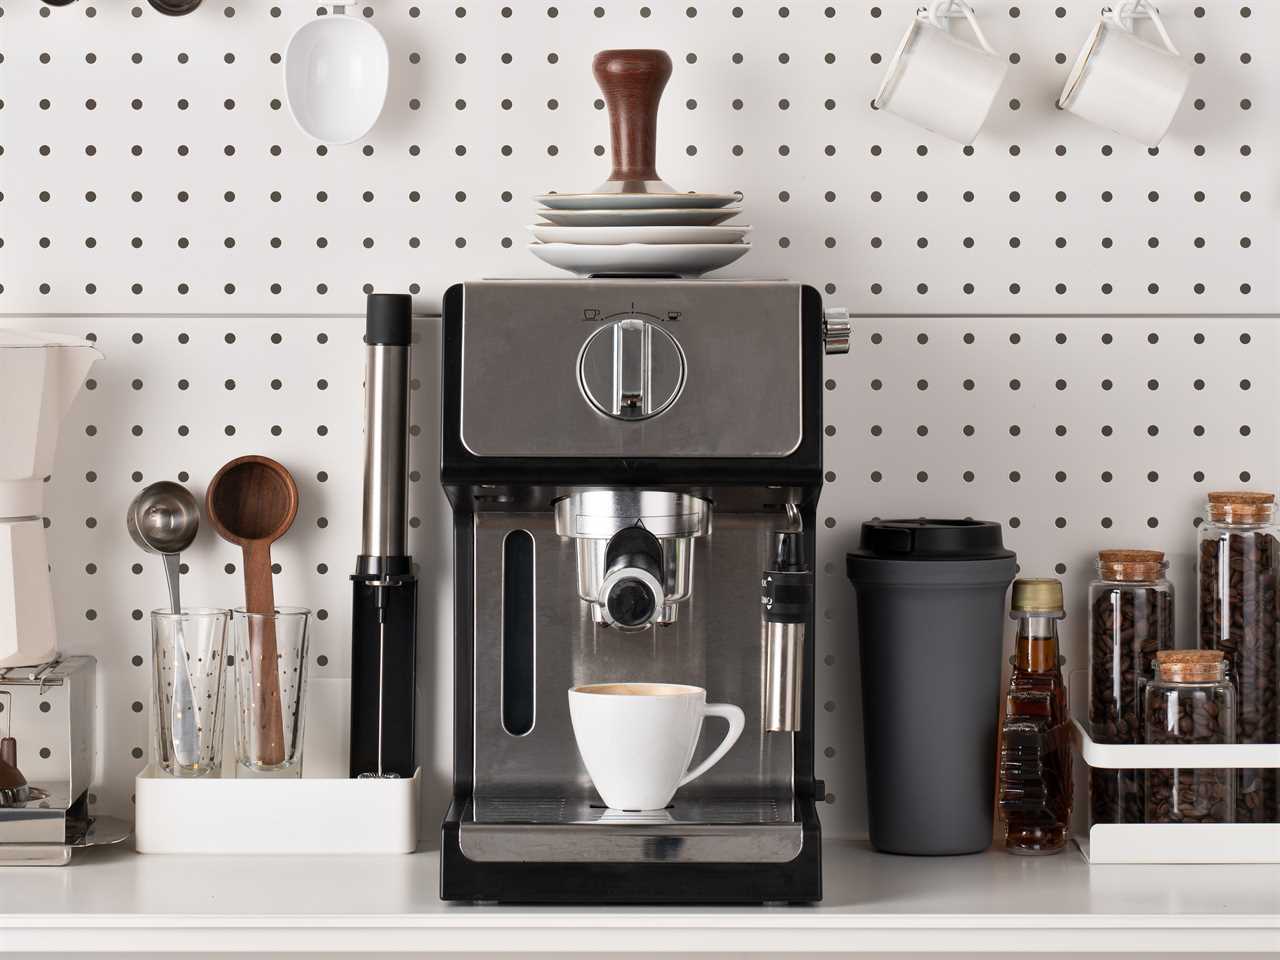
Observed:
{"x":323,"y":812}
{"x":1164,"y":842}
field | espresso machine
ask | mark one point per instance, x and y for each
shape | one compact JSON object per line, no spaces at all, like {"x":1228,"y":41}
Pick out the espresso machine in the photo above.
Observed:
{"x":634,"y":468}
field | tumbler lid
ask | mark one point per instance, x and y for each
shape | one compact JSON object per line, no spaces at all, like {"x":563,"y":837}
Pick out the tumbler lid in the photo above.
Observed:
{"x":925,"y":539}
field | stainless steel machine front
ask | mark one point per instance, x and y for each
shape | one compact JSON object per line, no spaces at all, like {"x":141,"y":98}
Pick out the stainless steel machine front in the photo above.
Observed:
{"x":528,"y":786}
{"x":607,"y":369}
{"x":634,"y":467}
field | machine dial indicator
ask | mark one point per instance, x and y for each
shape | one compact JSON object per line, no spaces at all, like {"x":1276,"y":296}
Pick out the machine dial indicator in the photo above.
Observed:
{"x":631,"y":369}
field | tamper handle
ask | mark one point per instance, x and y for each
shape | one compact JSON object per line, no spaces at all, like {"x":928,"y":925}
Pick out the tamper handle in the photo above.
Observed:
{"x":632,"y":82}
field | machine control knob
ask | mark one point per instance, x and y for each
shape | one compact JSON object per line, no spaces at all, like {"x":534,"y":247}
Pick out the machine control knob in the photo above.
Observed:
{"x":836,"y":330}
{"x":631,"y":369}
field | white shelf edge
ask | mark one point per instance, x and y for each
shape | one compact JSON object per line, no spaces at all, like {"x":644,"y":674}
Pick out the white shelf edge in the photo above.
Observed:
{"x":985,"y":903}
{"x":487,"y":931}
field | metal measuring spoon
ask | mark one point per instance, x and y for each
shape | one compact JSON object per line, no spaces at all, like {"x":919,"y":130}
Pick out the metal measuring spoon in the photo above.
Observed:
{"x":164,"y":519}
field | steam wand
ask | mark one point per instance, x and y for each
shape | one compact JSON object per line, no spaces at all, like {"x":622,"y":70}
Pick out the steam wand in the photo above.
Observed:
{"x":786,"y":597}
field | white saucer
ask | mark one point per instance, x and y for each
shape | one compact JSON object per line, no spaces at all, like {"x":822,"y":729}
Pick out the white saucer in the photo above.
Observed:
{"x":617,"y":235}
{"x":635,"y":201}
{"x":659,"y":217}
{"x":681,"y":259}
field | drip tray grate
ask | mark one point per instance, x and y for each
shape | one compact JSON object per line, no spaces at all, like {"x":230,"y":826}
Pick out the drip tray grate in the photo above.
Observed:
{"x":563,"y":829}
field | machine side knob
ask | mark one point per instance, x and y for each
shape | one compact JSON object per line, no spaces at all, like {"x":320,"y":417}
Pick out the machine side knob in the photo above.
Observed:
{"x":836,"y":330}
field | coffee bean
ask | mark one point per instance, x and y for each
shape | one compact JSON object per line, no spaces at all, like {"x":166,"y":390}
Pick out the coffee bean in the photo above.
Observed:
{"x":1129,"y":623}
{"x":1241,"y":617}
{"x":1180,"y":714}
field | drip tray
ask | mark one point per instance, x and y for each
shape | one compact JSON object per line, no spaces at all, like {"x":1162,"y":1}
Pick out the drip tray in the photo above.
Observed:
{"x":564,"y":829}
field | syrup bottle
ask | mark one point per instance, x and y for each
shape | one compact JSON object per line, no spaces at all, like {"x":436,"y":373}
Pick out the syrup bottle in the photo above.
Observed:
{"x":1035,"y":754}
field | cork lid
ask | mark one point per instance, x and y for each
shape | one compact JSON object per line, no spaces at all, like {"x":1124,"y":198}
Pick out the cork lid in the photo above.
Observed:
{"x":1136,"y":566}
{"x":1241,"y":506}
{"x":1037,"y":596}
{"x":1190,"y":666}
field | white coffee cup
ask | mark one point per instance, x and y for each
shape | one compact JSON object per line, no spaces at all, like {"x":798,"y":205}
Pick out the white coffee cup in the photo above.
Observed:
{"x":636,"y":739}
{"x":938,"y":81}
{"x":1125,"y":83}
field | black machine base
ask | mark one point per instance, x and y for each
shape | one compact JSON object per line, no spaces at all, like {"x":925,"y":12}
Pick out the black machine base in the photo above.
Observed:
{"x":798,"y":881}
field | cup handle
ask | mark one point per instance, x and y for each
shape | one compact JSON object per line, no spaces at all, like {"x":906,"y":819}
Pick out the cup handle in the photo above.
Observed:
{"x":941,"y":9}
{"x":1155,"y":18}
{"x":737,"y":723}
{"x":1123,"y":13}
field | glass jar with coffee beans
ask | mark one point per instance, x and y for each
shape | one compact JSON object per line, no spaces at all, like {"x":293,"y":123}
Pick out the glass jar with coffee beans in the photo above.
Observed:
{"x":1239,"y":561}
{"x":1130,"y":620}
{"x":1190,"y":700}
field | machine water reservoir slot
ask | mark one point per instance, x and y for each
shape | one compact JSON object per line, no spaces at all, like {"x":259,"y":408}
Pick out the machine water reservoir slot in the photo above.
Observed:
{"x":517,"y":633}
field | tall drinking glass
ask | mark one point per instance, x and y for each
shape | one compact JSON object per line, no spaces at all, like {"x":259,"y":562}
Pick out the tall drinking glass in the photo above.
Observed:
{"x":271,"y":685}
{"x":188,"y":689}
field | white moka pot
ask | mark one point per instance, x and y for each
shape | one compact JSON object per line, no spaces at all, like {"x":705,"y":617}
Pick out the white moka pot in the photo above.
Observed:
{"x":1125,"y":83}
{"x":40,"y":374}
{"x":938,"y":81}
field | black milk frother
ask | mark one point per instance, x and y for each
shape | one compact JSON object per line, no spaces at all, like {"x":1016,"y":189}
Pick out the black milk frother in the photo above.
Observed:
{"x":385,"y":589}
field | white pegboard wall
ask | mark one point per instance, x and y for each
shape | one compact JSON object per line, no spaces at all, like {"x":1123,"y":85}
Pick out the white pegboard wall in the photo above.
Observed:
{"x":174,"y":399}
{"x":211,"y":212}
{"x":1076,"y":433}
{"x":151,"y":165}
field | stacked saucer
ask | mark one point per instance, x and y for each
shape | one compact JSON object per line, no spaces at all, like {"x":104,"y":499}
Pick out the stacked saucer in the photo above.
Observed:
{"x":634,"y":224}
{"x":633,"y":234}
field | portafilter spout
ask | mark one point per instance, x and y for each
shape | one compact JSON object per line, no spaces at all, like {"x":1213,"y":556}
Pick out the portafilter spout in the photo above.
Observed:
{"x":635,"y":551}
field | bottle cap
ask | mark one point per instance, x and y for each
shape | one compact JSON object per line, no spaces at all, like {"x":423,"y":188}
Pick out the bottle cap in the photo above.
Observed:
{"x":1043,"y":596}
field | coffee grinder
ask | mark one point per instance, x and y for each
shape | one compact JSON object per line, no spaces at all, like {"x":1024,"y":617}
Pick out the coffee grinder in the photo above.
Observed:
{"x":634,"y":469}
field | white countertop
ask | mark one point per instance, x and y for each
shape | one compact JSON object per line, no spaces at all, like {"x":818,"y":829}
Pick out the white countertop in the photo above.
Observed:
{"x":116,"y":900}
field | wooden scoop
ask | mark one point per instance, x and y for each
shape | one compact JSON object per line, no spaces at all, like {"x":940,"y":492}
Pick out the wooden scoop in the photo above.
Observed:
{"x":252,"y":501}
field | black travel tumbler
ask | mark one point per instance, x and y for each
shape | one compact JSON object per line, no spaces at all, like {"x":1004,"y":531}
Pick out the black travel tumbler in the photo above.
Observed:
{"x":931,"y":606}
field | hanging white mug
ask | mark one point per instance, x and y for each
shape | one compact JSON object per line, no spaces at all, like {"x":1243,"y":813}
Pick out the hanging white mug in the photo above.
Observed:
{"x":1125,"y":83}
{"x":939,"y":82}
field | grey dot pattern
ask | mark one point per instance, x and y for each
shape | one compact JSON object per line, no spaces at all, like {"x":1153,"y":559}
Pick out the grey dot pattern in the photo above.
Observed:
{"x":171,"y":377}
{"x":154,"y":171}
{"x":1076,"y":433}
{"x":491,"y":103}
